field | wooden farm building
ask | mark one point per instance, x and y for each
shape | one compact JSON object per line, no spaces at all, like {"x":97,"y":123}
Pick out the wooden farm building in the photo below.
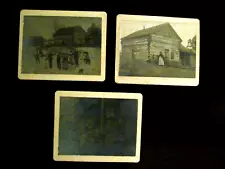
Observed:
{"x":148,"y":43}
{"x":188,"y":54}
{"x":70,"y":35}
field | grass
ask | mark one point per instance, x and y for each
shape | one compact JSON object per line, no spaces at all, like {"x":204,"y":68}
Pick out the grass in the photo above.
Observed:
{"x":30,"y":66}
{"x":144,"y":69}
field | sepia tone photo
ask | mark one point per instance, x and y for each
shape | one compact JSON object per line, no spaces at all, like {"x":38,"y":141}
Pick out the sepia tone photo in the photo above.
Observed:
{"x":157,"y":50}
{"x":62,"y":45}
{"x":97,"y":126}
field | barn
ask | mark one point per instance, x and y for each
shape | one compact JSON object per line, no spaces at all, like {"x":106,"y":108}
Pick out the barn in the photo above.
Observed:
{"x":70,"y":35}
{"x":148,"y":43}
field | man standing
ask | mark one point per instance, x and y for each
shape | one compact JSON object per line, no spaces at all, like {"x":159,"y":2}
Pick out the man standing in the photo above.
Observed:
{"x":58,"y":60}
{"x":50,"y":57}
{"x":36,"y":55}
{"x":65,"y":62}
{"x":87,"y":58}
{"x":76,"y":57}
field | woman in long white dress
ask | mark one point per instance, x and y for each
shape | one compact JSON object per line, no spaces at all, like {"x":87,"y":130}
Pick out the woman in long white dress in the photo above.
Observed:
{"x":161,"y":60}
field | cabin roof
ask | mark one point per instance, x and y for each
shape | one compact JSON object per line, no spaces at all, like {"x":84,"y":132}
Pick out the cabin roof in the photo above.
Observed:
{"x":186,"y":50}
{"x":162,"y":27}
{"x":68,"y":31}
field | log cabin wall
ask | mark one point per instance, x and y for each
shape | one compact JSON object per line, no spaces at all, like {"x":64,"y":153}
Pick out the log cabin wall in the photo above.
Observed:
{"x":126,"y":53}
{"x":139,"y":45}
{"x":145,"y":46}
{"x":160,"y":43}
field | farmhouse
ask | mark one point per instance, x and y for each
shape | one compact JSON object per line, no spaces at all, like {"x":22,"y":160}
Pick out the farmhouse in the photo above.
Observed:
{"x":70,"y":35}
{"x":148,"y":43}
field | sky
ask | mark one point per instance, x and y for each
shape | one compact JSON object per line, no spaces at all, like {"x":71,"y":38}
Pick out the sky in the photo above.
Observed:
{"x":44,"y":25}
{"x":185,"y":31}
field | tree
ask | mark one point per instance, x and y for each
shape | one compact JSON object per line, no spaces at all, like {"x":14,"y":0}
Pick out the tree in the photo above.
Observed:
{"x":36,"y":40}
{"x":193,"y":43}
{"x":93,"y":37}
{"x":79,"y":38}
{"x":101,"y":123}
{"x":68,"y":142}
{"x":88,"y":129}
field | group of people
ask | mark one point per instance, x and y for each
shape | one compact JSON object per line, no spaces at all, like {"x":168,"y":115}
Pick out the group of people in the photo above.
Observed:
{"x":62,"y":59}
{"x":159,"y":58}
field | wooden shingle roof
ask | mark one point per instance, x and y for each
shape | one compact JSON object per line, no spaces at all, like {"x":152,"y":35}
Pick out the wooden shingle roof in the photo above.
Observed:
{"x":158,"y":28}
{"x":186,"y":50}
{"x":68,"y":31}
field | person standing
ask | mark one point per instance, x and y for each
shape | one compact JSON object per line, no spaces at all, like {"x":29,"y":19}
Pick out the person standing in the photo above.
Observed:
{"x":45,"y":57}
{"x":87,"y":58}
{"x":65,"y":63}
{"x":40,"y":53}
{"x":74,"y":53}
{"x":58,"y":60}
{"x":50,"y":57}
{"x":36,"y":55}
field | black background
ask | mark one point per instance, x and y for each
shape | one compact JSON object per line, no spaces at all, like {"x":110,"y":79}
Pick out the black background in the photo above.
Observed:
{"x":182,"y":127}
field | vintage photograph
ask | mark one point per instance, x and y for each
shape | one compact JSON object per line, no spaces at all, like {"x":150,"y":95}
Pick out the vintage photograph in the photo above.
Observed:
{"x":157,"y":50}
{"x":62,"y":45}
{"x":97,"y":126}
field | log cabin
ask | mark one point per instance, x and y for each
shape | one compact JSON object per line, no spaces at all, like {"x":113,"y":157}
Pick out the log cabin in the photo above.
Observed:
{"x":148,"y":43}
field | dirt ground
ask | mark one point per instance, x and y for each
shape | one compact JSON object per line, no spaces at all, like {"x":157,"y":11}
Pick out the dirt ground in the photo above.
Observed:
{"x":29,"y":64}
{"x":144,"y":69}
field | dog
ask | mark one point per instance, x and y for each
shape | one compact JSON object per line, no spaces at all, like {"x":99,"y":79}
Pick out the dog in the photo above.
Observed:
{"x":81,"y":71}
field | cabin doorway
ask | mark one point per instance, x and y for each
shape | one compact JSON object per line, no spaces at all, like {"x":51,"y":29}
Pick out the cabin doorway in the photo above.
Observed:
{"x":166,"y":53}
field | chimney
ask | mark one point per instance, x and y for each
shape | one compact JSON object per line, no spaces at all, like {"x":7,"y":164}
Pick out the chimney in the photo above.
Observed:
{"x":144,"y":27}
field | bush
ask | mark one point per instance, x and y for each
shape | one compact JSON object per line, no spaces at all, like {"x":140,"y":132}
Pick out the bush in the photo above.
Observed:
{"x":175,"y":64}
{"x":93,"y":36}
